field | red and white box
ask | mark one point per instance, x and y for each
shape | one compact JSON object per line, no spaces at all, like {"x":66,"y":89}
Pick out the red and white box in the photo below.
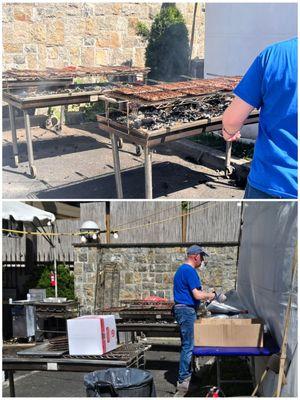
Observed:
{"x":92,"y":335}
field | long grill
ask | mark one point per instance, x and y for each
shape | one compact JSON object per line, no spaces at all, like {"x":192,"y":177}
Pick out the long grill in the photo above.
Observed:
{"x":142,"y":310}
{"x":165,"y":91}
{"x":168,"y":111}
{"x":72,"y":72}
{"x":122,"y":353}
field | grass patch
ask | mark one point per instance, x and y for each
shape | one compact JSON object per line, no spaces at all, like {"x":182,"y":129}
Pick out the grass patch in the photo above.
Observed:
{"x":239,"y":150}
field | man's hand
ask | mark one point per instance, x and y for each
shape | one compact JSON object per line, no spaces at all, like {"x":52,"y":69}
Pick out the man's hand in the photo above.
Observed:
{"x":231,"y":137}
{"x":212,"y":296}
{"x":203,"y":296}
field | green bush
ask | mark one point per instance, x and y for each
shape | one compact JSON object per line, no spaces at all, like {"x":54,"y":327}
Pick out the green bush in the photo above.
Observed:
{"x":167,"y":52}
{"x":65,"y":282}
{"x":90,"y":110}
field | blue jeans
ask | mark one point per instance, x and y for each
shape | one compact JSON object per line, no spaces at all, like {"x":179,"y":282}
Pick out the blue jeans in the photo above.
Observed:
{"x":185,"y":316}
{"x":252,"y":193}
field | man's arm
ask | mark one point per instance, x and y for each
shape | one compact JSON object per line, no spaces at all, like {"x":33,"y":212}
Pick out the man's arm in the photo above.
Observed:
{"x":234,"y":117}
{"x":204,"y":296}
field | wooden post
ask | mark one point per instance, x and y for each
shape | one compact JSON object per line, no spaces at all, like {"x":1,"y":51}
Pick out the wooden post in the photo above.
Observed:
{"x":107,"y":221}
{"x":184,"y":211}
{"x":283,"y":350}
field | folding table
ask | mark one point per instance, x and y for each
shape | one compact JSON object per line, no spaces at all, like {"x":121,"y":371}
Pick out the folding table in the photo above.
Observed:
{"x":270,"y":347}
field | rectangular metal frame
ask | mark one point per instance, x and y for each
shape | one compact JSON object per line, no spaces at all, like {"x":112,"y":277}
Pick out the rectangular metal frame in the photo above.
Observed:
{"x":15,"y":363}
{"x":63,"y":100}
{"x":147,"y":140}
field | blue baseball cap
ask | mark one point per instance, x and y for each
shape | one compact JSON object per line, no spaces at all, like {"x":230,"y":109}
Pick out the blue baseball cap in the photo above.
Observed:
{"x":195,"y":249}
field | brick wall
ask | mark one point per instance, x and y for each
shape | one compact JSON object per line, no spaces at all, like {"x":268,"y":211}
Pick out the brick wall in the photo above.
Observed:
{"x":104,"y":276}
{"x":39,"y":35}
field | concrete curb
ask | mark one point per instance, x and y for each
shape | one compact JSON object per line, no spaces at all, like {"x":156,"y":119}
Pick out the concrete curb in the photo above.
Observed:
{"x":210,"y":157}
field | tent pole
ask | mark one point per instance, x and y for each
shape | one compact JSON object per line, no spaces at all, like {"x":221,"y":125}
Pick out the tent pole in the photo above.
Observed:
{"x":55,"y":272}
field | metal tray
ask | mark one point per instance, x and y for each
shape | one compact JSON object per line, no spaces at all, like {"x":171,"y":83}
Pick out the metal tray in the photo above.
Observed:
{"x":41,"y":350}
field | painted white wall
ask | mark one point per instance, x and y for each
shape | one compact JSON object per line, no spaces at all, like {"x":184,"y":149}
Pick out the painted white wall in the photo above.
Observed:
{"x":235,"y":33}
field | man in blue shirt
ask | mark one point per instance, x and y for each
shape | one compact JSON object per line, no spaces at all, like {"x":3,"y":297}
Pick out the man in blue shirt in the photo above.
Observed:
{"x":187,"y":296}
{"x":270,"y":85}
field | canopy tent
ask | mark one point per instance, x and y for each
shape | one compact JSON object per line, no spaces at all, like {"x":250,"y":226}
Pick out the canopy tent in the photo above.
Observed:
{"x":265,"y":285}
{"x":23,"y":212}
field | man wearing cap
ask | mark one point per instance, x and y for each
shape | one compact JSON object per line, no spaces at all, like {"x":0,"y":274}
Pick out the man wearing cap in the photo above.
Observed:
{"x":188,"y":294}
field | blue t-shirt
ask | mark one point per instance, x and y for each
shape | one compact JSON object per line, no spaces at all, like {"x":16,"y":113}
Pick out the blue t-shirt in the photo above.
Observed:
{"x":271,"y":85}
{"x":185,"y":280}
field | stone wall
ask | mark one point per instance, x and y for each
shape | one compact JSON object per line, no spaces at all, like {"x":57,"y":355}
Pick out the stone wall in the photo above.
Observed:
{"x":104,"y":276}
{"x":39,"y":35}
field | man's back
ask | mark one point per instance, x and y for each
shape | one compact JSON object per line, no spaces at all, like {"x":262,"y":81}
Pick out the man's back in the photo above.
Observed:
{"x":271,"y":85}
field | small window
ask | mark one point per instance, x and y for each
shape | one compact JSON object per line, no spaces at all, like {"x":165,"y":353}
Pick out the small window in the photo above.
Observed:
{"x":12,"y":225}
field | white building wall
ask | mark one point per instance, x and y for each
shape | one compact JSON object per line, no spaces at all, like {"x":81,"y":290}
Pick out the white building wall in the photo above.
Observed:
{"x":236,"y":32}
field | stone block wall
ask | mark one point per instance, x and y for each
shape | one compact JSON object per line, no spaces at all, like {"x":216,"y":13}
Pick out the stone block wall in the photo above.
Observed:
{"x":104,"y":276}
{"x":40,"y":35}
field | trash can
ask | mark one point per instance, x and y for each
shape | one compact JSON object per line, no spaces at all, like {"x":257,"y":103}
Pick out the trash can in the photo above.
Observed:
{"x":120,"y":382}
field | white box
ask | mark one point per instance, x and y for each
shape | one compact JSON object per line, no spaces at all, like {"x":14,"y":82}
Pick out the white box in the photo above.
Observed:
{"x":92,"y":335}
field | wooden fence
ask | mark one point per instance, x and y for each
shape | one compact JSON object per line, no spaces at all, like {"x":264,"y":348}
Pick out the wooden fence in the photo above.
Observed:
{"x":134,"y":222}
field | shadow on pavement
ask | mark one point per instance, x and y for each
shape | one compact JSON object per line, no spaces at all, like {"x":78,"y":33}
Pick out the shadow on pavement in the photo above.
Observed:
{"x":47,"y":148}
{"x":167,"y":178}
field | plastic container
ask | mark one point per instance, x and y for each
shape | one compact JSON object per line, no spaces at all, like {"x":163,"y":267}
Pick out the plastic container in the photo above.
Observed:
{"x":120,"y":382}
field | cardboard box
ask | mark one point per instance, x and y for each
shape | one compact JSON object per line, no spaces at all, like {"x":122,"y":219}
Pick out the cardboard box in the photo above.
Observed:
{"x":92,"y":335}
{"x":228,"y":332}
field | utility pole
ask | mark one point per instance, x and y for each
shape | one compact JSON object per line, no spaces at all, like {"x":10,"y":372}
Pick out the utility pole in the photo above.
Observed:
{"x":192,"y":36}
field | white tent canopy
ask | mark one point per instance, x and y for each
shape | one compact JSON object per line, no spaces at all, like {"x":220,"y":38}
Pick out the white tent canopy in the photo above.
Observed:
{"x":23,"y":212}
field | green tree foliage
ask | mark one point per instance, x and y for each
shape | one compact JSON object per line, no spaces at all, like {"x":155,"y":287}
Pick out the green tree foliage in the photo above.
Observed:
{"x":167,"y":53}
{"x":142,"y":30}
{"x":65,"y":279}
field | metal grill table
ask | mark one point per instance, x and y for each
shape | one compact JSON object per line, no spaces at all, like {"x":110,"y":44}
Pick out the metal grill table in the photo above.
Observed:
{"x":148,"y":141}
{"x":53,"y":77}
{"x":129,"y":355}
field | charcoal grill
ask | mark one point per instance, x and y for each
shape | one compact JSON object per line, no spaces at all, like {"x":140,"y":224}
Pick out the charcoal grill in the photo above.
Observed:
{"x":143,"y":310}
{"x":130,"y":355}
{"x":195,"y":91}
{"x":19,"y":93}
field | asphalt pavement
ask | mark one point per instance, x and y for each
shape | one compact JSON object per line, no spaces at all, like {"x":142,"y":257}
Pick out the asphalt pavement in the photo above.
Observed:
{"x":161,"y":361}
{"x":77,"y":164}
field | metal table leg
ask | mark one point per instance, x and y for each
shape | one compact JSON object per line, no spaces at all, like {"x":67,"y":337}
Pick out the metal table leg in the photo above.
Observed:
{"x":218,"y":360}
{"x":252,"y":370}
{"x":12,"y":119}
{"x":117,"y":167}
{"x":11,"y":383}
{"x":148,"y":173}
{"x":29,"y":144}
{"x":62,"y":118}
{"x":228,"y":168}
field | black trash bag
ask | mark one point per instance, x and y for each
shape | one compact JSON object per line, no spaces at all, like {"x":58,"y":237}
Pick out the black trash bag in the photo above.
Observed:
{"x":120,"y":382}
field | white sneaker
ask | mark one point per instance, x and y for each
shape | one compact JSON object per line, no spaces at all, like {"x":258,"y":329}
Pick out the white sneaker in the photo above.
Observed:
{"x":184,"y":385}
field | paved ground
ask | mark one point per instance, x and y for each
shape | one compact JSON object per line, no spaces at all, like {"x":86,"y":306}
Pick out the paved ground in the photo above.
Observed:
{"x":162,"y":362}
{"x":77,"y":164}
